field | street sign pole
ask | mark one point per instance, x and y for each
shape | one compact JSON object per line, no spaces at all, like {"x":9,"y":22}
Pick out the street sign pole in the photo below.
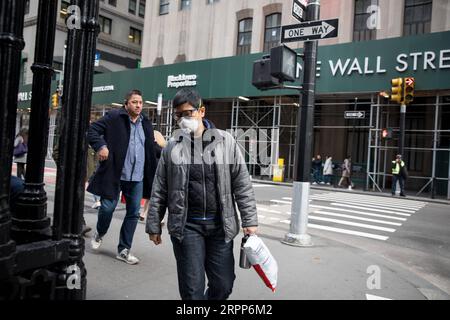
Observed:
{"x":297,"y":235}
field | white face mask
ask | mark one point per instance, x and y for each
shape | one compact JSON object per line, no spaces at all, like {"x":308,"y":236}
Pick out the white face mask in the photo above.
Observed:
{"x":188,"y":125}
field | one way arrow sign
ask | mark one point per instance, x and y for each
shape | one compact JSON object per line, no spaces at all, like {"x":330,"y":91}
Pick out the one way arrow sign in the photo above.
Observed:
{"x":312,"y":30}
{"x":354,"y":114}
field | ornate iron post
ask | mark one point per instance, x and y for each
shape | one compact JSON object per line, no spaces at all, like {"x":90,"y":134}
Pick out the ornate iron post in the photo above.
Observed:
{"x":70,"y":184}
{"x":30,"y":221}
{"x":11,"y":46}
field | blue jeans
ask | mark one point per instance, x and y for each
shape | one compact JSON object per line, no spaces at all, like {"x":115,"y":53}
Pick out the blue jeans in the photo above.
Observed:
{"x":401,"y":182}
{"x":203,"y":249}
{"x":133,"y":195}
{"x":327,"y":178}
{"x":317,"y":176}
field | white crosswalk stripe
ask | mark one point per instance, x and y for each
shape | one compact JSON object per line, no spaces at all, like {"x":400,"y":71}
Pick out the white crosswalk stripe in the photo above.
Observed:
{"x":347,"y":213}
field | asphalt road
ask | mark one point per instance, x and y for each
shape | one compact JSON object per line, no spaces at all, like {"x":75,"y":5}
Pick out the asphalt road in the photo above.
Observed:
{"x":420,"y":242}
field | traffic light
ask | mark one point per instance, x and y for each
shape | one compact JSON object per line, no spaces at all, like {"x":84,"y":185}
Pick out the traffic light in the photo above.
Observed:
{"x":262,"y":79}
{"x":409,"y":90}
{"x":386,"y":133}
{"x":397,"y":90}
{"x":55,"y":100}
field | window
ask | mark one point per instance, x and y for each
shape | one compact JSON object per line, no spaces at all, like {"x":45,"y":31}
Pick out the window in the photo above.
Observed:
{"x":163,"y":7}
{"x":105,"y":24}
{"x":244,"y":40}
{"x":63,"y":12}
{"x":132,"y":6}
{"x":417,"y":19}
{"x":272,"y":34}
{"x":112,"y":2}
{"x":27,"y":6}
{"x":211,"y":1}
{"x":361,"y":29}
{"x":185,"y":4}
{"x":135,"y":36}
{"x":142,"y":8}
{"x":23,"y":73}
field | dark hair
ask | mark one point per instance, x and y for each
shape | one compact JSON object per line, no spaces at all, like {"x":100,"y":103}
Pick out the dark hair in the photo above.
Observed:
{"x":130,"y":93}
{"x":187,"y":95}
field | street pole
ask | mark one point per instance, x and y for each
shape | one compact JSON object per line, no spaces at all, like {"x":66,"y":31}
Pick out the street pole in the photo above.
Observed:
{"x":297,"y":235}
{"x":158,"y":112}
{"x":401,"y":142}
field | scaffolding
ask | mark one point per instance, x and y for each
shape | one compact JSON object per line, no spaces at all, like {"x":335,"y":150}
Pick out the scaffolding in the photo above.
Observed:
{"x":423,"y":146}
{"x":261,"y":123}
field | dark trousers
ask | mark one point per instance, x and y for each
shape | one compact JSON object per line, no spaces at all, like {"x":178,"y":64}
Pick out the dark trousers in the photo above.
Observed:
{"x":203,"y":250}
{"x":317,"y":174}
{"x":21,"y":170}
{"x":401,"y":182}
{"x":133,"y":195}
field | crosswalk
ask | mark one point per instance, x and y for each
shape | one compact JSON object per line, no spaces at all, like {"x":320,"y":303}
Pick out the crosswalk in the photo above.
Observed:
{"x":347,"y":213}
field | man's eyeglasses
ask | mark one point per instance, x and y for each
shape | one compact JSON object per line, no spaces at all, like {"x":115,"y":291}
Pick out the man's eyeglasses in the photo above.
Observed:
{"x":186,"y":113}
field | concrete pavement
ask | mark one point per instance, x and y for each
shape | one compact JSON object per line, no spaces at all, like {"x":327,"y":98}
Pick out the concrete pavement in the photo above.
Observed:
{"x":332,"y":269}
{"x":329,"y":270}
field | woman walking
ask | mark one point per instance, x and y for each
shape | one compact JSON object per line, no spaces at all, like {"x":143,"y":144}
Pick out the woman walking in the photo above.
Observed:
{"x":20,"y":152}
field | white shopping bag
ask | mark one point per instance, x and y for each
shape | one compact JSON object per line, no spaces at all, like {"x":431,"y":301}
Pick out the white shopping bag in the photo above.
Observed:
{"x":262,"y":260}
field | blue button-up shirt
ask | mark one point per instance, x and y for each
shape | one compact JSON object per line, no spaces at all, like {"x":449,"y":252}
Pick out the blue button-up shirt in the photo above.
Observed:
{"x":133,"y":167}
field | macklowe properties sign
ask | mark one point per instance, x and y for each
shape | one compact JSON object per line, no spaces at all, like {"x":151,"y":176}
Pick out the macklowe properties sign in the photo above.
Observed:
{"x":355,"y":67}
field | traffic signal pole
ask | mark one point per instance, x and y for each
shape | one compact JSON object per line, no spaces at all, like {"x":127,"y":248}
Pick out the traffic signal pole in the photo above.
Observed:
{"x":401,"y":141}
{"x":297,"y":235}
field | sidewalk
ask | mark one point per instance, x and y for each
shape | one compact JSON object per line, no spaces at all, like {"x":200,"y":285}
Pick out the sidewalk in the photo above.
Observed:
{"x":355,"y":191}
{"x":329,"y":270}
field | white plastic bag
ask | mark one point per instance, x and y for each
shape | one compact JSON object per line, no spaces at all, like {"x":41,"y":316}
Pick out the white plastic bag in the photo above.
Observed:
{"x":262,"y":260}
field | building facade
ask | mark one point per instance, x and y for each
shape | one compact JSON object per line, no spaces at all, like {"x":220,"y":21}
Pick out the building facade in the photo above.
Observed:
{"x":190,"y":30}
{"x":119,"y":44}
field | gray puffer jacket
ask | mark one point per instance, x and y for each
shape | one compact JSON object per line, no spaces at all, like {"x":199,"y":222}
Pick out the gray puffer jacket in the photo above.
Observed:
{"x":170,"y":187}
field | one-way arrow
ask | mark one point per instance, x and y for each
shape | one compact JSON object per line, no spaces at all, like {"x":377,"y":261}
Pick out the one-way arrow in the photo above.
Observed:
{"x":320,"y":29}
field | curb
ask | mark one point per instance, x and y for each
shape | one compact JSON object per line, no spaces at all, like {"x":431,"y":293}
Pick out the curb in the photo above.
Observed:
{"x":289,"y":184}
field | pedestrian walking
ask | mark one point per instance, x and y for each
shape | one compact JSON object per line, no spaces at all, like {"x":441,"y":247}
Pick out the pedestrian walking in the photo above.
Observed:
{"x":317,"y":170}
{"x":200,"y":177}
{"x":328,"y":170}
{"x":346,"y":173}
{"x":125,"y":145}
{"x":21,"y":151}
{"x":399,"y":173}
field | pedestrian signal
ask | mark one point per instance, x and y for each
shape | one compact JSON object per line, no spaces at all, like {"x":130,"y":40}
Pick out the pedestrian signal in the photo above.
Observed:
{"x":386,"y":133}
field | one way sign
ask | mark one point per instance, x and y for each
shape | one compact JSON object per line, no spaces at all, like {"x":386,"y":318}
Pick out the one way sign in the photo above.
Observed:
{"x":312,"y":30}
{"x":354,"y":114}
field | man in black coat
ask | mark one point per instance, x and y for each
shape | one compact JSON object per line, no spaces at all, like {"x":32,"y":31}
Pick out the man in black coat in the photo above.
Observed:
{"x":126,"y":148}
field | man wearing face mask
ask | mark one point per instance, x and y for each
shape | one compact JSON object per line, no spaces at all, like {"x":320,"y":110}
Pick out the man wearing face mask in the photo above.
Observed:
{"x":126,"y":148}
{"x":200,"y":177}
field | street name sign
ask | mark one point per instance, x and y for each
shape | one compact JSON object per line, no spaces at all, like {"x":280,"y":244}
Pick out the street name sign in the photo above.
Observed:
{"x":354,"y":114}
{"x":311,"y":30}
{"x":299,"y":10}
